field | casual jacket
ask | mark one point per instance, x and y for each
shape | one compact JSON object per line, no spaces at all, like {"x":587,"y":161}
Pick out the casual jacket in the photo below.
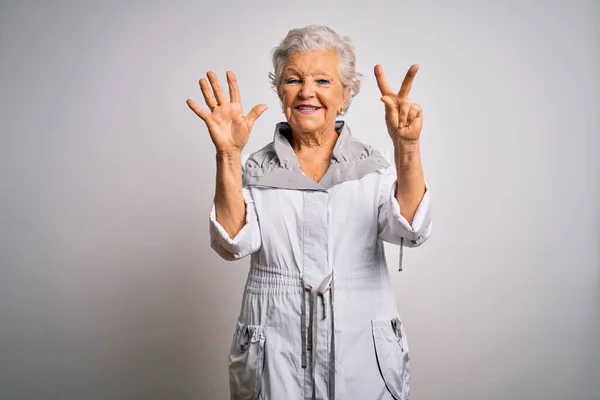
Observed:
{"x":318,"y":318}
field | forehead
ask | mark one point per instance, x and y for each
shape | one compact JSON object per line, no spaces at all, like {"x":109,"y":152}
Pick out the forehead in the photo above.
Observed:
{"x":309,"y":62}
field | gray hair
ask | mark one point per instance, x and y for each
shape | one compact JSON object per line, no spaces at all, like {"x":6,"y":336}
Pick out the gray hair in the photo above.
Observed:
{"x":316,"y":37}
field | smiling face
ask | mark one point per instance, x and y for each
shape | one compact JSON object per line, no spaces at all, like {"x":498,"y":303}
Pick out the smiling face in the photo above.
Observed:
{"x":311,"y":91}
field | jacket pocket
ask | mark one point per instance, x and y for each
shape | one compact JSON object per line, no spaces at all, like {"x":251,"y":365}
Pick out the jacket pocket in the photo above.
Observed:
{"x":246,"y":361}
{"x":391,"y":348}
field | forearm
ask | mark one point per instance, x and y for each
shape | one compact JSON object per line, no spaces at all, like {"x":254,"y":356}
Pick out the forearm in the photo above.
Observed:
{"x":411,"y":180}
{"x":230,"y":208}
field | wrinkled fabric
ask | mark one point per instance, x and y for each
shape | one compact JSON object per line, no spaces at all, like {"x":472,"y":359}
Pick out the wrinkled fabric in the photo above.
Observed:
{"x":318,"y":318}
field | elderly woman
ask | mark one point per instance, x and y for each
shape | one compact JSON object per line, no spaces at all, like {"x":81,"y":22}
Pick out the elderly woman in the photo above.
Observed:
{"x":318,"y":318}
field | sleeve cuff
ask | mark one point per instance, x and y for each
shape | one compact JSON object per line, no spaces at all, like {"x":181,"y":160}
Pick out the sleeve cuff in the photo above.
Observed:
{"x":239,"y":246}
{"x":421,"y":219}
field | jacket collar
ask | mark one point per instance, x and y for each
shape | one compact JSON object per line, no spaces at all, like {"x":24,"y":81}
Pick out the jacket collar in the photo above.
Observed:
{"x":350,"y":160}
{"x":285,"y":153}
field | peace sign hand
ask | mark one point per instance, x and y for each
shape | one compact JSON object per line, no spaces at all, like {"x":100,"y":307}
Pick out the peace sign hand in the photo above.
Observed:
{"x":229,"y":128}
{"x":403,"y":117}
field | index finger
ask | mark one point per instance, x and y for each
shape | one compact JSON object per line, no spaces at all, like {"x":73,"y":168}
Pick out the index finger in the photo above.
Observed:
{"x":382,"y":83}
{"x":408,"y":81}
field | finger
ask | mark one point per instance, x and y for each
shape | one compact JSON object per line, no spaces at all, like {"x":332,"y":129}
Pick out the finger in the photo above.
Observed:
{"x":382,"y":83}
{"x":391,"y":110}
{"x":408,"y":81}
{"x":216,"y":86}
{"x":234,"y":90}
{"x":404,"y":109}
{"x":415,"y":112}
{"x":197,"y":109}
{"x":209,"y":99}
{"x":254,"y":114}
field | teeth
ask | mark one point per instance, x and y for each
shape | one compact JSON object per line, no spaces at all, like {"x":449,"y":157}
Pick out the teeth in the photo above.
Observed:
{"x":307,"y":108}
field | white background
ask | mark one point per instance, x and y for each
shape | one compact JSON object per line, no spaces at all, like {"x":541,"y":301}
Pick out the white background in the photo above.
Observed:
{"x":108,"y":287}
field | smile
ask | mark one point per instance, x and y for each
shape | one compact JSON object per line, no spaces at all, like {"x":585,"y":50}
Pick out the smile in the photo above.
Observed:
{"x":305,"y":109}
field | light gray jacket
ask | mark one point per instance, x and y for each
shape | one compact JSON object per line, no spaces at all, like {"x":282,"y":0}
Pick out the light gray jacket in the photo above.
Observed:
{"x":318,"y":318}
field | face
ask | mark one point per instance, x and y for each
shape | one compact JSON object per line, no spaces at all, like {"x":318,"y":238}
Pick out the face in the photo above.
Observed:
{"x":311,"y":91}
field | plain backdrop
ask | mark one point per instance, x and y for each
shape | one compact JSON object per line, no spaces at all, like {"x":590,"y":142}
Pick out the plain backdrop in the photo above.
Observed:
{"x":108,"y":286}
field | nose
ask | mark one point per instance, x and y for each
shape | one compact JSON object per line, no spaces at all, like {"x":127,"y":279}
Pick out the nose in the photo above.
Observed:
{"x":307,"y":90}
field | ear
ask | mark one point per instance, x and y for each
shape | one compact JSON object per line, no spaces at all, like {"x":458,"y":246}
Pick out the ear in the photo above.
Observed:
{"x":345,"y":96}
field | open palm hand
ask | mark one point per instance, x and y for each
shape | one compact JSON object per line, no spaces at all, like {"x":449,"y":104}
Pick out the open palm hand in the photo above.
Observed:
{"x":229,"y":128}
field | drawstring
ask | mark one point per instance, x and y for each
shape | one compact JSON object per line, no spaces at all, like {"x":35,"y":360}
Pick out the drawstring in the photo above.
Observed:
{"x":315,"y":292}
{"x":401,"y":253}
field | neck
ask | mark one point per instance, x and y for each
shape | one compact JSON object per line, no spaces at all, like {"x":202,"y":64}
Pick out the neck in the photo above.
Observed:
{"x":314,"y":144}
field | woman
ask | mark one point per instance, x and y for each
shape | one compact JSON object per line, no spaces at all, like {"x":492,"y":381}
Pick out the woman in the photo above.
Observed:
{"x":318,"y":318}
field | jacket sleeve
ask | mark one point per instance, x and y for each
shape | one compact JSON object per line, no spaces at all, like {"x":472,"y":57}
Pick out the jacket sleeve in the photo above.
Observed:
{"x":392,"y":226}
{"x":248,"y":239}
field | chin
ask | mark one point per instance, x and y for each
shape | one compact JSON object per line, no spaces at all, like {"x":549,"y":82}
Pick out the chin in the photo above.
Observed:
{"x":307,"y":126}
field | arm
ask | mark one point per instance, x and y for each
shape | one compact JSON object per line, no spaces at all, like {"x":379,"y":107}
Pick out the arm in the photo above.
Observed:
{"x":246,"y":241}
{"x":406,"y":218}
{"x":394,"y":226}
{"x":234,"y":229}
{"x":230,"y":208}
{"x":404,"y":120}
{"x":411,"y":182}
{"x":233,"y":224}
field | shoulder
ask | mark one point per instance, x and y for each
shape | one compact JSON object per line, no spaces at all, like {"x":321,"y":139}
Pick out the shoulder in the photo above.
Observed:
{"x":262,"y":158}
{"x":358,"y":150}
{"x":352,"y":150}
{"x":360,"y":154}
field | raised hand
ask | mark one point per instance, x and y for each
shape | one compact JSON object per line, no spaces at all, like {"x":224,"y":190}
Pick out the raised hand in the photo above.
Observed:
{"x":229,"y":128}
{"x":403,"y":117}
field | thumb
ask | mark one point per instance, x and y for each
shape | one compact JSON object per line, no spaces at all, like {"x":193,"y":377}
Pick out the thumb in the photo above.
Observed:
{"x":254,"y":114}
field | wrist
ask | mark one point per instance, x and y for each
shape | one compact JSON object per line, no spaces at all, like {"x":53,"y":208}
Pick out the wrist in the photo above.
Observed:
{"x":230,"y":159}
{"x":230,"y":154}
{"x":404,"y":146}
{"x":407,"y":157}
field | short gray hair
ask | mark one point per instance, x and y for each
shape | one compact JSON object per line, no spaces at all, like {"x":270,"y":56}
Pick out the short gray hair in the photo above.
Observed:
{"x":317,"y":37}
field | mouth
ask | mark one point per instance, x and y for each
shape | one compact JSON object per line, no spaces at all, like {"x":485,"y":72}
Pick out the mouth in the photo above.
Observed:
{"x":307,"y":109}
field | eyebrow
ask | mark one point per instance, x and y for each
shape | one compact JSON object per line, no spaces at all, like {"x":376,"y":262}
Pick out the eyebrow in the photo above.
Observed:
{"x":288,"y":70}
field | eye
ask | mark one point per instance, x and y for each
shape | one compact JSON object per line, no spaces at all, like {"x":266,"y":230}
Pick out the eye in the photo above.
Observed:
{"x":322,"y":81}
{"x":292,"y":81}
